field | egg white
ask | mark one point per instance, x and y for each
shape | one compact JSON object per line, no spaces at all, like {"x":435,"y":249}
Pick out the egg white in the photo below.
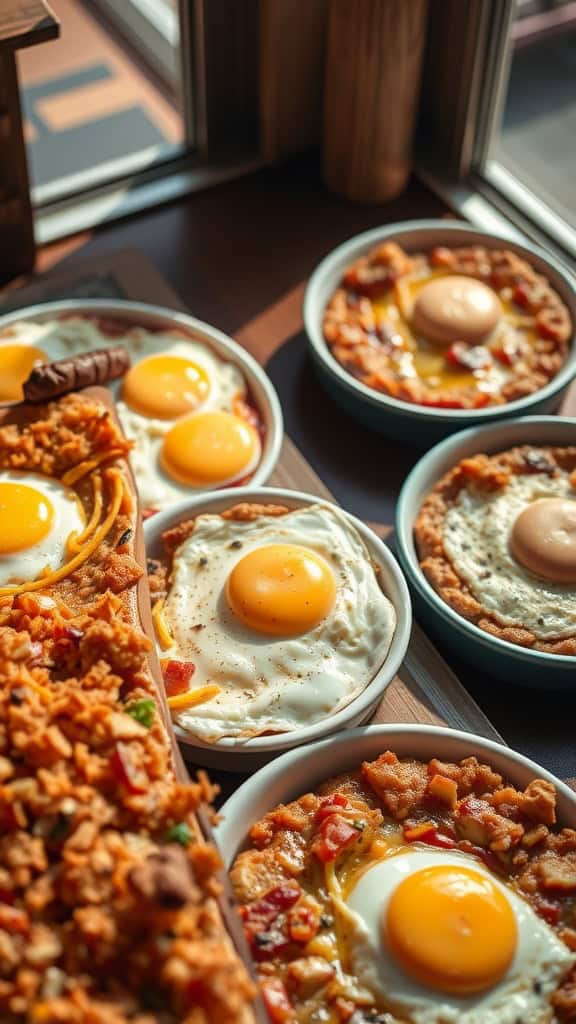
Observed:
{"x":272,"y":683}
{"x":540,"y":962}
{"x":476,"y":539}
{"x":63,"y":338}
{"x":26,"y":565}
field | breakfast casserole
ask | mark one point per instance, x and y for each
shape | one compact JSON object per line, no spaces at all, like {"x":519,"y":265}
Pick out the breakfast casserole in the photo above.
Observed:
{"x":455,"y":328}
{"x":109,"y":893}
{"x":267,"y":618}
{"x":403,"y":891}
{"x":496,"y":539}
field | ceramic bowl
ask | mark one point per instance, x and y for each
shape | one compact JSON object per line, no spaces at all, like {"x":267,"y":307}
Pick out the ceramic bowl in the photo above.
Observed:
{"x":496,"y":657}
{"x":231,"y":754}
{"x":404,"y":420}
{"x":141,"y":314}
{"x":299,"y":771}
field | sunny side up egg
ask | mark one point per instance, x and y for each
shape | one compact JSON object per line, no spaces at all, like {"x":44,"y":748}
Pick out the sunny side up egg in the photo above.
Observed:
{"x":284,"y":614}
{"x":435,"y":938}
{"x":180,"y":403}
{"x":37,"y":518}
{"x":476,"y":538}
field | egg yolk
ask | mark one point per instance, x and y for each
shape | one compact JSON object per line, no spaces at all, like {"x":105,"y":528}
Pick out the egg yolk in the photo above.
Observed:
{"x":165,"y":387}
{"x":281,"y":589}
{"x":25,"y":517}
{"x":209,"y":448}
{"x":451,"y":928}
{"x":16,"y":362}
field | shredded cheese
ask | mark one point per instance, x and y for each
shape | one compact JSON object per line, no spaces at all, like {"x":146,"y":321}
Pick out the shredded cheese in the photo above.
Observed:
{"x":76,"y":540}
{"x":189,"y":700}
{"x":165,"y":638}
{"x":118,"y":485}
{"x":72,"y":476}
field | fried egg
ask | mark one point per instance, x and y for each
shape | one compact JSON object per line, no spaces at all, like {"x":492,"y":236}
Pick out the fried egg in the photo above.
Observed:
{"x":171,"y":379}
{"x":476,"y":537}
{"x":37,"y":517}
{"x":435,"y":938}
{"x":285,"y":614}
{"x":17,"y":360}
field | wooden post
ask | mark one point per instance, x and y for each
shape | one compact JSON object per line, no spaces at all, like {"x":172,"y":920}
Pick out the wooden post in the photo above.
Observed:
{"x":373,"y":66}
{"x":22,"y":23}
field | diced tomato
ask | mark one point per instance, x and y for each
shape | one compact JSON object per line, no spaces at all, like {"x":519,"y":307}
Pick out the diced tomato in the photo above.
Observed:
{"x":335,"y":835}
{"x":126,"y":771}
{"x":442,"y":257}
{"x":332,"y":804}
{"x":430,"y":834}
{"x":303,"y":921}
{"x":277,"y":1001}
{"x":13,"y":920}
{"x":468,"y":357}
{"x":371,"y":281}
{"x":177,"y":676}
{"x":552,"y":324}
{"x":521,"y":295}
{"x":551,"y":912}
{"x":265,"y":922}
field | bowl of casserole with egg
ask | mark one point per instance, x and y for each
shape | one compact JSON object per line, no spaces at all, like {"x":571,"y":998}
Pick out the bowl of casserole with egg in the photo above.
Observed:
{"x":422,"y":328}
{"x":407,"y":875}
{"x":279,"y":619}
{"x":200,"y":411}
{"x":486,"y":533}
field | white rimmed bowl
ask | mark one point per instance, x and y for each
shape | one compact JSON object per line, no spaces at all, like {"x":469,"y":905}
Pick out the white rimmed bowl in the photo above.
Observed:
{"x":498,"y":658}
{"x":405,"y":420}
{"x":141,"y":314}
{"x":231,"y":754}
{"x":299,"y":771}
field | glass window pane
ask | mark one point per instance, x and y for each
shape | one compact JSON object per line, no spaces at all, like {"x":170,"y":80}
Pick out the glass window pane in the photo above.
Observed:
{"x":537,"y":139}
{"x":94,"y":107}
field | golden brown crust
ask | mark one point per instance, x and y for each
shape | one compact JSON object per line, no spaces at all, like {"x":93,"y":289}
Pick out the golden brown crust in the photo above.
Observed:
{"x":106,"y":913}
{"x":366,"y":345}
{"x":489,"y":473}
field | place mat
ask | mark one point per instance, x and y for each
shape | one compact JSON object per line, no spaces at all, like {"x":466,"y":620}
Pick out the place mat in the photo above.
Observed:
{"x":425,"y":689}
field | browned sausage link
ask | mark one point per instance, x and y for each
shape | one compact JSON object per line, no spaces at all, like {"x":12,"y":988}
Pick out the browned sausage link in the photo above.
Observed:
{"x":49,"y":380}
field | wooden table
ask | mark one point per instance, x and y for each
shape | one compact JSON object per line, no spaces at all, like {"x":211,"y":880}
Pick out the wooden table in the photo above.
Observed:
{"x":239,"y":256}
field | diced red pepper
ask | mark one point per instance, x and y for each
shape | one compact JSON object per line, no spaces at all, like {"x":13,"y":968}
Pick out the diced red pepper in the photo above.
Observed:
{"x":335,"y":835}
{"x":277,"y":1000}
{"x":303,"y":921}
{"x":13,"y":920}
{"x":468,"y":357}
{"x":126,"y":771}
{"x":431,"y":835}
{"x":177,"y":676}
{"x":265,"y":922}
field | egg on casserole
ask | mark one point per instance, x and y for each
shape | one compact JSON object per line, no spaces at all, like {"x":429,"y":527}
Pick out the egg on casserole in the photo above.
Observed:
{"x":267,"y":619}
{"x":454,"y":328}
{"x":496,"y":539}
{"x":413,"y":893}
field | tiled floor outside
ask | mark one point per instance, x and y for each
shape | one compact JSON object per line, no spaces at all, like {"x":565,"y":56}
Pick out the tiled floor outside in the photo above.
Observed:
{"x":86,"y":101}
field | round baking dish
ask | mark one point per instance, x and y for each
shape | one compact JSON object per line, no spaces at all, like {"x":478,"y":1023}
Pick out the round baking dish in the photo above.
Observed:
{"x":141,"y":314}
{"x":231,"y":754}
{"x":404,"y":420}
{"x":496,"y":657}
{"x":299,"y":771}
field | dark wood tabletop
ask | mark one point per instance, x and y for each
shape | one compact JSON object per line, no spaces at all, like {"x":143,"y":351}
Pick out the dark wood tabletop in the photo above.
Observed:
{"x":239,"y":256}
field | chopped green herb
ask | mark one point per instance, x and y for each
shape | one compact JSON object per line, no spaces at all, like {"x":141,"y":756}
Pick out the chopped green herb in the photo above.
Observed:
{"x":143,"y":711}
{"x":360,"y":825}
{"x":180,"y":833}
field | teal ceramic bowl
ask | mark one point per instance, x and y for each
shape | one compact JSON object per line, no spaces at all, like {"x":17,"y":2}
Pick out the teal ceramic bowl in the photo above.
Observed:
{"x":403,"y":420}
{"x":498,"y":658}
